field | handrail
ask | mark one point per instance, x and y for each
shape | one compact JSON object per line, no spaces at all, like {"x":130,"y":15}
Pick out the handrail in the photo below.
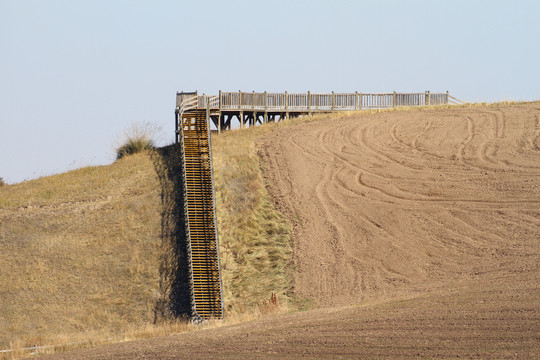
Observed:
{"x":308,"y":102}
{"x":454,"y":101}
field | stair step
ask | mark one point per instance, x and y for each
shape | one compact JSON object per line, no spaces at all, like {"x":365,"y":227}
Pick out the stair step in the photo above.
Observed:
{"x":199,"y":202}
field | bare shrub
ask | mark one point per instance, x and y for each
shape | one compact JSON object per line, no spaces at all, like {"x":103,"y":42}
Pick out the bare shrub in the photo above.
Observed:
{"x":137,"y":138}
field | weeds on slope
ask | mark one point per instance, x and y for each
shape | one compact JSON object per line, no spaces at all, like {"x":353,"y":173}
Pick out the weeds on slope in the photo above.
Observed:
{"x":254,"y":237}
{"x":136,"y":139}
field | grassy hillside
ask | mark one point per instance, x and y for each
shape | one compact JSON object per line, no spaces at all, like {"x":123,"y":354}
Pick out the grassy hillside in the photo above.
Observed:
{"x":87,"y":255}
{"x":78,"y":252}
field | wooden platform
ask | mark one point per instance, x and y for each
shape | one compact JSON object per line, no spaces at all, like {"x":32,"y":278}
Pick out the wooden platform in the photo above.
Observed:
{"x":251,"y":108}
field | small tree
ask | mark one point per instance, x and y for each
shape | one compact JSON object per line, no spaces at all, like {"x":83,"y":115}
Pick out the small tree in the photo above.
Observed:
{"x":2,"y":182}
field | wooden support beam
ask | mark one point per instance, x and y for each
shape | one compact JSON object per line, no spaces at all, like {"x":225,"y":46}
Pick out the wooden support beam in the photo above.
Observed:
{"x":286,"y":106}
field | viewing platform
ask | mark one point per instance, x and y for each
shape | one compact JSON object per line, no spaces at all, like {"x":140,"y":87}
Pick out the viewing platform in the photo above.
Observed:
{"x":252,"y":108}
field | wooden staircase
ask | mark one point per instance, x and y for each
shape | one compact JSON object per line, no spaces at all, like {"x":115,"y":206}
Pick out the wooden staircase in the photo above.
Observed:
{"x":199,"y":209}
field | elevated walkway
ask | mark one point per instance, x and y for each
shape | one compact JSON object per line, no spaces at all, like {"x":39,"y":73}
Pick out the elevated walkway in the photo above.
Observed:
{"x":251,"y":108}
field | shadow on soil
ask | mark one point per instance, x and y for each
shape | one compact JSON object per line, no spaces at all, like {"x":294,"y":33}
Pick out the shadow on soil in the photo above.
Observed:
{"x":174,"y":299}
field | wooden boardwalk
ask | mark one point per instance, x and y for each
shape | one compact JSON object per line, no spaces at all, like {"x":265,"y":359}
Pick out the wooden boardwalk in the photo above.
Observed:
{"x":251,"y":108}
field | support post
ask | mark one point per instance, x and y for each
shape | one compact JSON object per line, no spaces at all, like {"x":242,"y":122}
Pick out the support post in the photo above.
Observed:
{"x":286,"y":106}
{"x":429,"y":98}
{"x":265,"y":119}
{"x":309,"y":102}
{"x":239,"y":99}
{"x":177,"y":125}
{"x":447,"y":97}
{"x":333,"y":101}
{"x":356,"y":103}
{"x":395,"y":99}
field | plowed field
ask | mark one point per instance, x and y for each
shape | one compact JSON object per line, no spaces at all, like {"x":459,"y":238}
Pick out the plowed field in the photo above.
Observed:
{"x":416,"y":235}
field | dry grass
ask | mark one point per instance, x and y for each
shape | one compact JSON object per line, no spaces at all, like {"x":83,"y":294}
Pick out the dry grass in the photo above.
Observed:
{"x":80,"y":252}
{"x":254,"y":237}
{"x":136,"y":139}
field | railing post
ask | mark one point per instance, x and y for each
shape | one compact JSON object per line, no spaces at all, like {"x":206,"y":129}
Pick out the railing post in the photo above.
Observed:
{"x":219,"y":101}
{"x":360,"y":101}
{"x":395,"y":99}
{"x":265,"y":107}
{"x":447,"y":96}
{"x":208,"y":115}
{"x":429,"y":98}
{"x":333,"y":101}
{"x":356,"y":103}
{"x":240,"y":113}
{"x":426,"y":100}
{"x":309,"y":102}
{"x":286,"y":106}
{"x":239,"y":99}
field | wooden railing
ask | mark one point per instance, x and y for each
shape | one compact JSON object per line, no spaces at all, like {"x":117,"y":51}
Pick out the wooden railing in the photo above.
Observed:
{"x":307,"y":102}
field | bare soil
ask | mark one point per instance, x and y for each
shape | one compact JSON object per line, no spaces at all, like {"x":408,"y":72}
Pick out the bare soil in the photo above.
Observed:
{"x":416,"y":234}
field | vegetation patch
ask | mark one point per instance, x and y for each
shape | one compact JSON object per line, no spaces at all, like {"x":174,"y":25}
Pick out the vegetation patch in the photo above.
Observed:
{"x":91,"y":256}
{"x":254,"y":237}
{"x":136,"y":139}
{"x":79,"y":254}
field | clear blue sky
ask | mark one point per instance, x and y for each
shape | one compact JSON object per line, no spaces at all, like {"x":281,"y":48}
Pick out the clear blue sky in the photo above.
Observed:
{"x":74,"y":74}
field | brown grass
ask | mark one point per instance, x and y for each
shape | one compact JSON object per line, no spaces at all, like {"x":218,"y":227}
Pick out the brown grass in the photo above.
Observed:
{"x":80,"y":252}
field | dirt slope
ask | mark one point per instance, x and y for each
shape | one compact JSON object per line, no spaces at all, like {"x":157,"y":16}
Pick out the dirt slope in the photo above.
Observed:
{"x":423,"y":225}
{"x":433,"y":327}
{"x":391,"y":204}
